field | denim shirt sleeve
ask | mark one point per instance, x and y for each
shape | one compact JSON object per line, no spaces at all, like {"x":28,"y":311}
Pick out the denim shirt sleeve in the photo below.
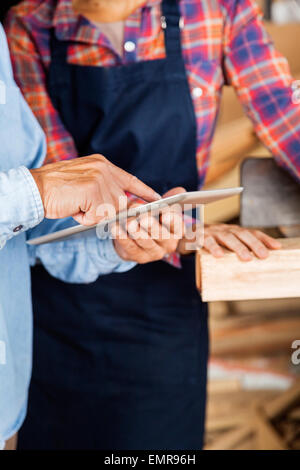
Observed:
{"x":23,"y":145}
{"x":81,"y":259}
{"x":20,"y":202}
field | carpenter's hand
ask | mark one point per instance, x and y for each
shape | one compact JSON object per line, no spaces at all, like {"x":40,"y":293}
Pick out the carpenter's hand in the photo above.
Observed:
{"x":79,"y":187}
{"x":244,"y":242}
{"x":148,"y":239}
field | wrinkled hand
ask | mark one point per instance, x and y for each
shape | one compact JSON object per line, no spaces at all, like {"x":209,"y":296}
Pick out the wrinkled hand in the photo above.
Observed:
{"x":148,"y":238}
{"x":244,"y":242}
{"x":79,"y":187}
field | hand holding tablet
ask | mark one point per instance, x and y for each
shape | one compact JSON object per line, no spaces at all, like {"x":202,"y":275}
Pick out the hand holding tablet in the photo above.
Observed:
{"x":193,"y":198}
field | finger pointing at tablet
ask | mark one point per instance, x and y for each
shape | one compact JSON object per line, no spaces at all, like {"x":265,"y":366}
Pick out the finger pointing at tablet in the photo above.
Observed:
{"x":78,"y":187}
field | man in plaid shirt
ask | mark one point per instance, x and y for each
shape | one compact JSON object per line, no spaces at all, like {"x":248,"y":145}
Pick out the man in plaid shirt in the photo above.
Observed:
{"x":212,"y":31}
{"x":52,"y":43}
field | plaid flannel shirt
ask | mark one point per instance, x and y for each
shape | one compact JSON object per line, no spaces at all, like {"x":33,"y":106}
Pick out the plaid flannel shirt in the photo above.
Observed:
{"x":219,"y":38}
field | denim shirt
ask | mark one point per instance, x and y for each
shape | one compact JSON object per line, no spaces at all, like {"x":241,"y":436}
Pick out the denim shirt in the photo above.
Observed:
{"x":22,"y":146}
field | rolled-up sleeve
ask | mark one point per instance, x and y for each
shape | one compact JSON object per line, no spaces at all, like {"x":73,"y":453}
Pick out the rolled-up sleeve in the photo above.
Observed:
{"x":20,"y":202}
{"x":81,"y":259}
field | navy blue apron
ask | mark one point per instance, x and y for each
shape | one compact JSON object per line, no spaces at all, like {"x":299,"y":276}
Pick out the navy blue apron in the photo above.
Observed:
{"x":121,"y":363}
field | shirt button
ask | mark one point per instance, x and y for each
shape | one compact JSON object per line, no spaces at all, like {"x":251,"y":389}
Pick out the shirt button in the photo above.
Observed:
{"x":129,"y":46}
{"x":197,"y":92}
{"x":18,"y":228}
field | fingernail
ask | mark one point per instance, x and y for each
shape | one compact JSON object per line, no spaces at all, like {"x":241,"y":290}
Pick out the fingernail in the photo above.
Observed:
{"x":157,"y":196}
{"x":263,"y":253}
{"x":247,"y":256}
{"x":132,"y":226}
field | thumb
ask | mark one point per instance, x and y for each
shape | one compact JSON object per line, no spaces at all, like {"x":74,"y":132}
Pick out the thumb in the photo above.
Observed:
{"x":87,"y":218}
{"x":174,"y":191}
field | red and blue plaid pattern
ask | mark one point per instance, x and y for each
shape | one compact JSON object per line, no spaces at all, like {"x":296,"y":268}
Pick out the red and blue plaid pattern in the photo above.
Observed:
{"x":215,"y":32}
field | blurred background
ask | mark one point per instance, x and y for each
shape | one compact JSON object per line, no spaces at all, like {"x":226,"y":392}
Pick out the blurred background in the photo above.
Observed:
{"x":253,"y":390}
{"x":252,"y":378}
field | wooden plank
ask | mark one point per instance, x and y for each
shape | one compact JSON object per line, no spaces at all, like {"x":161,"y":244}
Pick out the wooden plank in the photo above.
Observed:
{"x":267,"y":436}
{"x":247,"y":444}
{"x":224,"y":423}
{"x":257,"y":424}
{"x":249,"y":312}
{"x":294,"y":415}
{"x":228,"y":278}
{"x":232,"y":408}
{"x":228,"y":150}
{"x":290,"y":430}
{"x":224,"y":385}
{"x":232,"y":439}
{"x":264,"y":337}
{"x":279,"y":405}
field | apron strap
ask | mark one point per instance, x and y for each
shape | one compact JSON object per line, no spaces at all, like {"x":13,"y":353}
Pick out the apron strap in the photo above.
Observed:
{"x":171,"y":23}
{"x":58,"y":48}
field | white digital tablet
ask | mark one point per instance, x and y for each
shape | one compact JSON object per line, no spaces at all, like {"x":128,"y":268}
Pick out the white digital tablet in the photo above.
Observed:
{"x":193,"y":198}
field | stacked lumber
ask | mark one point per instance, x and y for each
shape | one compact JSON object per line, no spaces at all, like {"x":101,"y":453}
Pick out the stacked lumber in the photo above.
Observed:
{"x":263,"y":420}
{"x":253,"y":393}
{"x":255,"y":334}
{"x":244,"y":336}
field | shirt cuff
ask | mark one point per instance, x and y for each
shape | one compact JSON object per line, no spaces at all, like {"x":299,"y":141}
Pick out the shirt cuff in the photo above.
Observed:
{"x":24,"y":204}
{"x":37,"y":203}
{"x":108,"y":254}
{"x":30,"y":203}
